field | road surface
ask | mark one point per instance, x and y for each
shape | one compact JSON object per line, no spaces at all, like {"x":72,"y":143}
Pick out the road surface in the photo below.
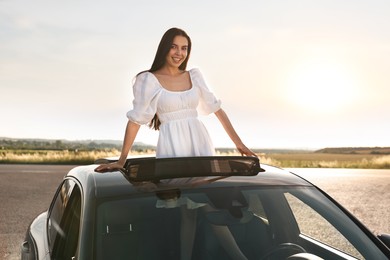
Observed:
{"x":25,"y":191}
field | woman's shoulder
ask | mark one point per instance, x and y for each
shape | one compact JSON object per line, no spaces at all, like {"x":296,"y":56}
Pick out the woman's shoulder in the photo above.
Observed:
{"x":147,"y":77}
{"x":197,"y":77}
{"x":146,"y":81}
{"x":194,"y":71}
{"x":195,"y":74}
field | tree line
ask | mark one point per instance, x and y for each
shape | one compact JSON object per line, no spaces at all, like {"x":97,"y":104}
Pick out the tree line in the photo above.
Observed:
{"x":42,"y":144}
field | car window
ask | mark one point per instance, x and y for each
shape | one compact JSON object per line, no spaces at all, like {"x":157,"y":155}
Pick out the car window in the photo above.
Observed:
{"x":64,"y":221}
{"x":222,"y":222}
{"x":317,"y":217}
{"x":313,"y":225}
{"x":155,"y":226}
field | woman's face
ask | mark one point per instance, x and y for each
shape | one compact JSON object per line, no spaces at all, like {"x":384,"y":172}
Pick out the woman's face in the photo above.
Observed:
{"x":178,"y":52}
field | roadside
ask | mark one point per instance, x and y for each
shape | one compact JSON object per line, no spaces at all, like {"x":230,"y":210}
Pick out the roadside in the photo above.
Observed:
{"x":25,"y":191}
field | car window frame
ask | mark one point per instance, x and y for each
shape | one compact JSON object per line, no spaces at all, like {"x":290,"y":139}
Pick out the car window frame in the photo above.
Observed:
{"x":73,"y":188}
{"x":348,"y":230}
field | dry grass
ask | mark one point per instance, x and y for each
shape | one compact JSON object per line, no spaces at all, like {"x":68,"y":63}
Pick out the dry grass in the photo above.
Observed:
{"x":325,"y":160}
{"x":54,"y":157}
{"x":286,"y":160}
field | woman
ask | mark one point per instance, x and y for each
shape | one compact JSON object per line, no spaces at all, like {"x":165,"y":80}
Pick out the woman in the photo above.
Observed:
{"x":169,"y":97}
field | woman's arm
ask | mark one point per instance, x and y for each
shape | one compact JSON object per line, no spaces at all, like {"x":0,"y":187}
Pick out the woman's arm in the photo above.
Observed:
{"x":130,"y":134}
{"x":227,"y":125}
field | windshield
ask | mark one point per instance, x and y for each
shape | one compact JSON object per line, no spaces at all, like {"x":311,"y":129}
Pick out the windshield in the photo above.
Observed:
{"x":226,"y":223}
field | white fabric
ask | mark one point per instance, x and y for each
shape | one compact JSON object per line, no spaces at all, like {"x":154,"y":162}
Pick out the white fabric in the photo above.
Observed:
{"x":174,"y":203}
{"x":181,"y":134}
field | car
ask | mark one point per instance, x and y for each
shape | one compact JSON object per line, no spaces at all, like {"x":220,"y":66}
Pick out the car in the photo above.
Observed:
{"x":219,"y":207}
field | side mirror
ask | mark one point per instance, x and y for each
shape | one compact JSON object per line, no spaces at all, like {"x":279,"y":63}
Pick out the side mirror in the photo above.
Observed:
{"x":385,"y":238}
{"x":26,"y":251}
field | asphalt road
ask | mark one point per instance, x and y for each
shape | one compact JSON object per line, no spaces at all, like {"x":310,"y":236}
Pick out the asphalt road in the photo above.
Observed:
{"x":25,"y":191}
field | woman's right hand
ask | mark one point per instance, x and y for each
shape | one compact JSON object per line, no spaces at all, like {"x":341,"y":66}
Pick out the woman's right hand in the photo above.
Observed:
{"x":109,"y":167}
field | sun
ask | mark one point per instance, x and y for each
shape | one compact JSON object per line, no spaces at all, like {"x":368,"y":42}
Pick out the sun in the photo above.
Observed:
{"x":320,"y":85}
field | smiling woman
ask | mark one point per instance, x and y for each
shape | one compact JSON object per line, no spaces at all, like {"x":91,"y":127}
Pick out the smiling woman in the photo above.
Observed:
{"x":321,"y":86}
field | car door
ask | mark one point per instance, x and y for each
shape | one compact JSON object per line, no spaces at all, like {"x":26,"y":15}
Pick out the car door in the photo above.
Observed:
{"x":64,"y":221}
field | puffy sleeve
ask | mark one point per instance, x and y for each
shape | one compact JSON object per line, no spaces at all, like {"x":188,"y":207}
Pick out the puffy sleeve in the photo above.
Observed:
{"x":208,"y":103}
{"x":146,"y":94}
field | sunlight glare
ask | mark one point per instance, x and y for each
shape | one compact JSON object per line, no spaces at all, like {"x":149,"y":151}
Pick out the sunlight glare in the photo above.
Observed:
{"x":321,"y":86}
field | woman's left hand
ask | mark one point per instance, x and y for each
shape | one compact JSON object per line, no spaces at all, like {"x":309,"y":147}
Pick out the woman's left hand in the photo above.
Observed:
{"x":245,"y":151}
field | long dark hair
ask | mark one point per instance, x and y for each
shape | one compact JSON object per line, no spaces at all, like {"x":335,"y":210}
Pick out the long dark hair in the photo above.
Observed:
{"x":160,"y":57}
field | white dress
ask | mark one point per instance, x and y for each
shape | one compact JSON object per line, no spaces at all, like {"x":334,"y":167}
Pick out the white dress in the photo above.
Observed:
{"x":182,"y":134}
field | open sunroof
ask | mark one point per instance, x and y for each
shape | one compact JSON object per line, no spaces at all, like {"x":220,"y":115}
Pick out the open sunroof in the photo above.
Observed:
{"x":152,"y":169}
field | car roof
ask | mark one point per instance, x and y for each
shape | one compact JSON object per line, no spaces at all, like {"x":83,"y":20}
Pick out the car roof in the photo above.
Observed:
{"x":117,"y":183}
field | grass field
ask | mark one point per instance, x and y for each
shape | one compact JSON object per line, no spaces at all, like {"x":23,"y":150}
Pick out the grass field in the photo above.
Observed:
{"x":289,"y":160}
{"x":326,"y":160}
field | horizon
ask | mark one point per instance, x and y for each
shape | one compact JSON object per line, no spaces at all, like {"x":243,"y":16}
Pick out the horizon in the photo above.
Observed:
{"x":297,"y":74}
{"x":118,"y":142}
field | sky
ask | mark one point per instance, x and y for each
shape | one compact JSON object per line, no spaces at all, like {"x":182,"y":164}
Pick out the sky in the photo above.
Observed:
{"x":304,"y":74}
